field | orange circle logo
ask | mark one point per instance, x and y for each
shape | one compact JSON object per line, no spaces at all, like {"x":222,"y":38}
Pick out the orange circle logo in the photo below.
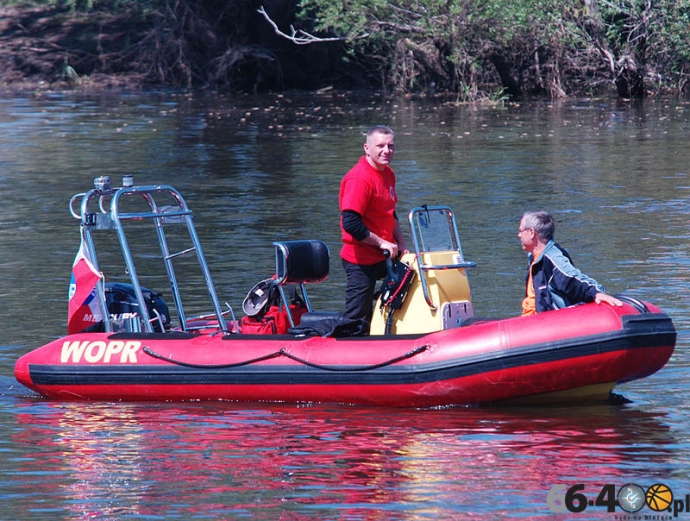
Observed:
{"x":659,"y":497}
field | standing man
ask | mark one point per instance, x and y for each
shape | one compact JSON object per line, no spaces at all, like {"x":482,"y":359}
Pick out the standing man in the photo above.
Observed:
{"x":369,"y":223}
{"x":552,"y":280}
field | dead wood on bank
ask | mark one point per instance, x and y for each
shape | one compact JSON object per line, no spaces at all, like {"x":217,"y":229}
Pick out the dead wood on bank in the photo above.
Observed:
{"x":216,"y":45}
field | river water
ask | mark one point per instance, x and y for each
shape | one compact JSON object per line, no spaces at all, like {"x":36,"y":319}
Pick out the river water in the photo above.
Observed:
{"x":255,"y":170}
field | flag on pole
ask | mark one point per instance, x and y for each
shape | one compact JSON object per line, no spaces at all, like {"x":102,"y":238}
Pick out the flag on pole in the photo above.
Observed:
{"x":84,"y":309}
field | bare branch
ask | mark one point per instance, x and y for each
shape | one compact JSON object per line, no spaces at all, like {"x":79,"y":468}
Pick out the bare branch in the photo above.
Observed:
{"x":401,"y":28}
{"x":299,"y":37}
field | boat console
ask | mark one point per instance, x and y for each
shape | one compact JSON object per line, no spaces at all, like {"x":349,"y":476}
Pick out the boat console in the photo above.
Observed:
{"x":438,"y":296}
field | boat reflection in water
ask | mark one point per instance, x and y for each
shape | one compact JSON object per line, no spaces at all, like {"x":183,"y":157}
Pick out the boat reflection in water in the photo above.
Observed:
{"x":222,"y":461}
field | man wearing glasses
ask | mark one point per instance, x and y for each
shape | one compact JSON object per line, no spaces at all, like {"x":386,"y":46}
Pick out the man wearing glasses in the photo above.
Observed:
{"x":552,"y":281}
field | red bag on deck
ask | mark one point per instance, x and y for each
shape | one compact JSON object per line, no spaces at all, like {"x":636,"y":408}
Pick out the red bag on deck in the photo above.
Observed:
{"x":254,"y":326}
{"x":274,"y":322}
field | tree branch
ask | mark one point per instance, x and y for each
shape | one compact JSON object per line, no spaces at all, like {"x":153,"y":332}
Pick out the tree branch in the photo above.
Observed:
{"x":299,"y":37}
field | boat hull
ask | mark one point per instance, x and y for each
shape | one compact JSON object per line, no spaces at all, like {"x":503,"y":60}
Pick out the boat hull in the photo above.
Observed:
{"x":571,"y":354}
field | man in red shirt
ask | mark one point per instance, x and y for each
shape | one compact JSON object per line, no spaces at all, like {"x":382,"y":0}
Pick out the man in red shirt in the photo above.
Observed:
{"x":369,"y":223}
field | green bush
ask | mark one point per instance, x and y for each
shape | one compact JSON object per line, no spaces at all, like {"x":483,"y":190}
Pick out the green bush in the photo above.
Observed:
{"x":476,"y":48}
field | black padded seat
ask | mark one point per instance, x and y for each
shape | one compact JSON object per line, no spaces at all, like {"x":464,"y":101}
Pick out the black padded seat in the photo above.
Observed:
{"x":300,"y":262}
{"x":310,"y":319}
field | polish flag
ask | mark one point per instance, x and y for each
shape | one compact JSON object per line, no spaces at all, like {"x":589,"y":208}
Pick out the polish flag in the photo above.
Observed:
{"x":84,"y":309}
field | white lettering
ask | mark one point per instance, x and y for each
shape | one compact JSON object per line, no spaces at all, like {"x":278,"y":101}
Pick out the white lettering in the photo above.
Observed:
{"x":113,"y":348}
{"x":74,"y":349}
{"x":129,"y":353}
{"x":93,"y":352}
{"x":99,"y":348}
{"x":124,"y":316}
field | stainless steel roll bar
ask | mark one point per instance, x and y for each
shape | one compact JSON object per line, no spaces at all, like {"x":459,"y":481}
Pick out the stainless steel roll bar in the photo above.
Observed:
{"x":102,"y":209}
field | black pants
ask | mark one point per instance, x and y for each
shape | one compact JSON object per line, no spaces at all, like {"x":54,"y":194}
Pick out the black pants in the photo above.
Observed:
{"x":359,"y":292}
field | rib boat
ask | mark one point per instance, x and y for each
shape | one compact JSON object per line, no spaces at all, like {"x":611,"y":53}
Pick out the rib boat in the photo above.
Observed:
{"x":425,"y":347}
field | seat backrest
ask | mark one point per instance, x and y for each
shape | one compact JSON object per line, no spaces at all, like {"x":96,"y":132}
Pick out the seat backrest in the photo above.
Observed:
{"x":300,"y":262}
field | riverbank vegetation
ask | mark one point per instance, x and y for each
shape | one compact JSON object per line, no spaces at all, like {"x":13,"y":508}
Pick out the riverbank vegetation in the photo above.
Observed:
{"x":460,"y":49}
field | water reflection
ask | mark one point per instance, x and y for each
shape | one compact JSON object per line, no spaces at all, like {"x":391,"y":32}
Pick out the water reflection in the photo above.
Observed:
{"x":110,"y":461}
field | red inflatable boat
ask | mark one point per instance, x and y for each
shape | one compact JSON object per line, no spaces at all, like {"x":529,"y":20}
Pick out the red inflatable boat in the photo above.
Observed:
{"x":425,"y":349}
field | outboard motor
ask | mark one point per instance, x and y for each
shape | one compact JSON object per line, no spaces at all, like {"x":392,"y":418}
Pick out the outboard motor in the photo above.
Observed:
{"x":122,"y":301}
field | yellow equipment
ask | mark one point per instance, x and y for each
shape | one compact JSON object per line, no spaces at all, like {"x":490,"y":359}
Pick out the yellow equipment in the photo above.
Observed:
{"x":438,"y":296}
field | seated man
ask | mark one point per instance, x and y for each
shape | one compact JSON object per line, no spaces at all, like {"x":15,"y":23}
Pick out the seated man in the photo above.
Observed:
{"x":552,"y":280}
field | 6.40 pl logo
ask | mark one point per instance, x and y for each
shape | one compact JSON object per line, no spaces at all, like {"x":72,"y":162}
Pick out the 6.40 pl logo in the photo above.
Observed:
{"x":629,"y":498}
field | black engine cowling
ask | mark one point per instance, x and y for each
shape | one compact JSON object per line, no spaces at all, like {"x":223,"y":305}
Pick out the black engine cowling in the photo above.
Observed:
{"x":121,"y":298}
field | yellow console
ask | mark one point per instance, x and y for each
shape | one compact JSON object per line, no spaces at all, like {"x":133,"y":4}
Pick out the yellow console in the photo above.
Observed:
{"x":438,"y":296}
